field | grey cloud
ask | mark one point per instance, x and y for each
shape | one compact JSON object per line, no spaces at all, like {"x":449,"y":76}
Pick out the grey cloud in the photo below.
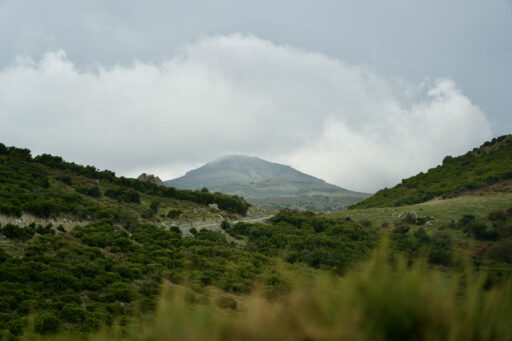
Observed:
{"x":237,"y":94}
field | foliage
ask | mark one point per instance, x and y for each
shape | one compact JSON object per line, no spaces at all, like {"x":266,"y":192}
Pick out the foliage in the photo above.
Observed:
{"x":382,"y":300}
{"x":302,"y":236}
{"x":40,"y":186}
{"x":173,"y":214}
{"x":100,"y":272}
{"x":487,"y":165}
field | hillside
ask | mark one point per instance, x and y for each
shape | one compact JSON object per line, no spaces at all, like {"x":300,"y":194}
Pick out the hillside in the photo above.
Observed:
{"x":263,"y":181}
{"x":49,"y":187}
{"x":124,"y":266}
{"x":487,"y":165}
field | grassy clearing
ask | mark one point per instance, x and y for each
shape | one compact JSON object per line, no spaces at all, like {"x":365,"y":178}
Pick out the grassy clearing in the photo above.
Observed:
{"x":443,"y":211}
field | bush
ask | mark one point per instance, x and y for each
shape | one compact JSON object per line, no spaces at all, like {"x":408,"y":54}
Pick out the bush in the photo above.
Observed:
{"x":46,"y":323}
{"x":148,"y":214}
{"x":501,"y":251}
{"x":465,"y":220}
{"x":173,"y":214}
{"x":72,"y":312}
{"x":90,"y":191}
{"x":497,"y":215}
{"x":122,"y":292}
{"x":409,"y":218}
{"x":154,"y":206}
{"x":401,"y":229}
{"x":15,"y":327}
{"x":15,"y":232}
{"x":65,"y":179}
{"x":481,"y":232}
{"x":441,"y":251}
{"x":366,"y":222}
{"x":422,"y":235}
{"x":225,"y":225}
{"x":175,"y":229}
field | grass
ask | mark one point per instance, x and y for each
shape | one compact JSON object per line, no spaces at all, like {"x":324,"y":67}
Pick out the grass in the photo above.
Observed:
{"x":443,"y":211}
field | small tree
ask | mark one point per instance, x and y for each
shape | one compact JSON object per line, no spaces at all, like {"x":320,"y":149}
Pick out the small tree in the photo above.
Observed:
{"x":46,"y":323}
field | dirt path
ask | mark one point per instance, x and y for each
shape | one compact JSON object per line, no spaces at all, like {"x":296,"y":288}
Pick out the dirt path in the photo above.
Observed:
{"x":185,"y":227}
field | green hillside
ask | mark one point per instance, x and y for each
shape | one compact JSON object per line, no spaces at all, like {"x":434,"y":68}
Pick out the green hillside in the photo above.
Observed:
{"x":488,"y":165}
{"x":88,"y":255}
{"x":46,"y":186}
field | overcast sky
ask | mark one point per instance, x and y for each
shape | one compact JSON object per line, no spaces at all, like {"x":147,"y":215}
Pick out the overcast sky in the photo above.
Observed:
{"x":359,"y":93}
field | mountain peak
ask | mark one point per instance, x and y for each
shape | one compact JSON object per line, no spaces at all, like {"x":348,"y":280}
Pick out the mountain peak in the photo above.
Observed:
{"x":231,"y":169}
{"x":252,"y":177}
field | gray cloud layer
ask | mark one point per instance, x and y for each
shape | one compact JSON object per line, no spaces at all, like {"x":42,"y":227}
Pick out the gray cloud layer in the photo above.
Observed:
{"x":238,"y":94}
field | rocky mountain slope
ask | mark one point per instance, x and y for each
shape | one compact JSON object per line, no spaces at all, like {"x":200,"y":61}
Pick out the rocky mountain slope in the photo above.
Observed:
{"x":260,"y":182}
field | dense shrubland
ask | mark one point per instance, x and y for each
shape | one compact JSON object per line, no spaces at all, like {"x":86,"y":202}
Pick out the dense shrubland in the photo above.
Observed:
{"x":103,"y":276}
{"x":43,"y":186}
{"x":299,"y":236}
{"x":385,"y":299}
{"x":95,"y":274}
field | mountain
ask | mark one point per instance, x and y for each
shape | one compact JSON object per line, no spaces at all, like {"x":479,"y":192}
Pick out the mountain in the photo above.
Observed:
{"x":258,"y":181}
{"x":488,"y":165}
{"x":237,"y":169}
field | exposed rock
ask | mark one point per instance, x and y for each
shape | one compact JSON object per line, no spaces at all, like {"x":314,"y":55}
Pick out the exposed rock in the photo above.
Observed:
{"x":150,"y":178}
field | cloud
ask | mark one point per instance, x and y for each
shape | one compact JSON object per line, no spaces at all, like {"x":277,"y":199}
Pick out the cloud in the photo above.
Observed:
{"x":237,"y":94}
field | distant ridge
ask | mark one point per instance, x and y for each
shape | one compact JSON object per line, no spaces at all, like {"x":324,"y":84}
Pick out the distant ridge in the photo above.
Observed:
{"x":254,"y":178}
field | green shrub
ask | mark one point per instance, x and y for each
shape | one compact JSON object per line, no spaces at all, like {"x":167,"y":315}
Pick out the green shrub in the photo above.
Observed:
{"x":90,"y":191}
{"x":173,"y":214}
{"x":225,"y":225}
{"x":15,"y":232}
{"x":72,"y":312}
{"x":501,"y":251}
{"x":497,"y":215}
{"x":46,"y":323}
{"x":480,"y":231}
{"x":465,"y":220}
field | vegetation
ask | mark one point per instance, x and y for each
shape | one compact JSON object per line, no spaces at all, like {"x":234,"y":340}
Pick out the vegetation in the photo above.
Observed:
{"x":307,"y":202}
{"x":439,"y":270}
{"x":304,"y":237}
{"x":98,"y":273}
{"x":488,"y":165}
{"x":43,"y":186}
{"x":382,"y":300}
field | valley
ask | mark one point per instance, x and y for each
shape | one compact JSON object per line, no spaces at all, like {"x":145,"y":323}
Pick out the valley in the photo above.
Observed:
{"x":87,"y":254}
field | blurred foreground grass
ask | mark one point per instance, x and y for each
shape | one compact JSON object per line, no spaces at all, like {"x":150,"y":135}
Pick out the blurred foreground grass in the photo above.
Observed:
{"x":385,"y":299}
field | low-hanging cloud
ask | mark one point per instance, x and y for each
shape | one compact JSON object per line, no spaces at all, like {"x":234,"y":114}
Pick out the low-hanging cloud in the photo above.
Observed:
{"x":237,"y":94}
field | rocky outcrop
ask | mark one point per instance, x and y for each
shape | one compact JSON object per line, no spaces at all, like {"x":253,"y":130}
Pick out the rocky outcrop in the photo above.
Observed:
{"x":150,"y":178}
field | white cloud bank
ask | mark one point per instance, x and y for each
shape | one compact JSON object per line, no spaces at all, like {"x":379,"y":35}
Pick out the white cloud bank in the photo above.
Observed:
{"x":237,"y":94}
